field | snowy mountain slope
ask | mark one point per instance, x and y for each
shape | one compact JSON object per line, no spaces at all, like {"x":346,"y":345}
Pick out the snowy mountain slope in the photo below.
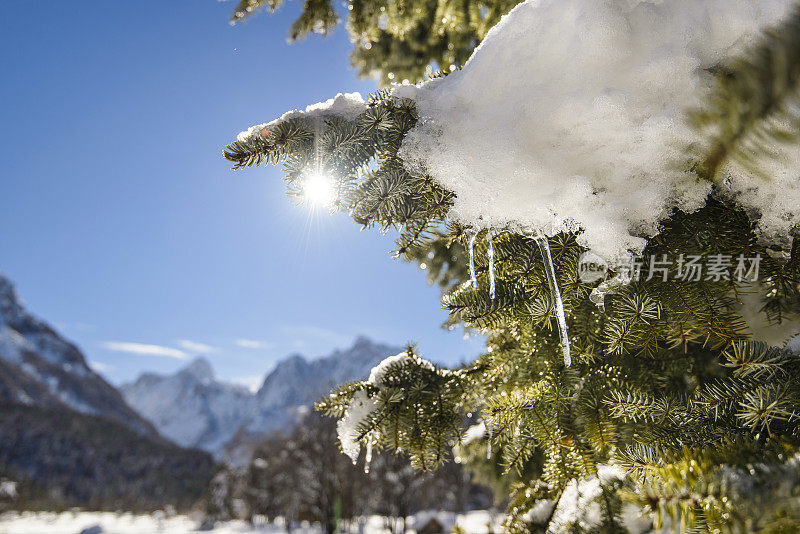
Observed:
{"x":40,"y":368}
{"x":69,"y":438}
{"x":191,"y":407}
{"x":194,"y":409}
{"x":296,"y":381}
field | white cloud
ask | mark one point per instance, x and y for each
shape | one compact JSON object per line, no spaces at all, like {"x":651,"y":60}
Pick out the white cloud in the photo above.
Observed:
{"x":145,"y":349}
{"x":195,"y":347}
{"x":252,"y":344}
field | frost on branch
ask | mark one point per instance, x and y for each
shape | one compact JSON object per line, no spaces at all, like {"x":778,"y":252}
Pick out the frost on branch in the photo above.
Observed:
{"x":474,"y":433}
{"x":344,"y":105}
{"x":572,"y":114}
{"x":361,"y":406}
{"x":378,"y":374}
{"x":403,"y":394}
{"x":579,"y":503}
{"x":583,"y":505}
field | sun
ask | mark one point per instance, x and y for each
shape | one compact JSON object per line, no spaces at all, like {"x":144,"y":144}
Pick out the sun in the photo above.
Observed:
{"x":318,"y":189}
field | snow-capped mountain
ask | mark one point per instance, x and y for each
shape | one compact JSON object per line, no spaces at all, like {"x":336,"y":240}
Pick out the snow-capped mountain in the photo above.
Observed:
{"x":296,"y":381}
{"x":40,"y":368}
{"x":191,"y":407}
{"x":195,"y":409}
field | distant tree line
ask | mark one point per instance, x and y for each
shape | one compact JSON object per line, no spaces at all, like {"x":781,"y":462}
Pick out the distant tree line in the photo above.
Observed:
{"x":304,"y":476}
{"x":58,"y":458}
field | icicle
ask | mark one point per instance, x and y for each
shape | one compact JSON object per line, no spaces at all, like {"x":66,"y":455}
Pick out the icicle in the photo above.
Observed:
{"x":489,"y":448}
{"x":368,"y":457}
{"x":544,"y":247}
{"x":490,"y":253}
{"x":472,"y":276}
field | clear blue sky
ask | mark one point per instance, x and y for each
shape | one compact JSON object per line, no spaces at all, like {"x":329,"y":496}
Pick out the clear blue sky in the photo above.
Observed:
{"x":120,"y":222}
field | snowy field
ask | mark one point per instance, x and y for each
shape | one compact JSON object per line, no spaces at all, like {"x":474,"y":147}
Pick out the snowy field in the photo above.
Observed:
{"x":126,"y":523}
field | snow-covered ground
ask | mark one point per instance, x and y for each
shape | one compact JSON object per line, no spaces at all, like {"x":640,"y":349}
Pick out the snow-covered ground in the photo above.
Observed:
{"x":126,"y":523}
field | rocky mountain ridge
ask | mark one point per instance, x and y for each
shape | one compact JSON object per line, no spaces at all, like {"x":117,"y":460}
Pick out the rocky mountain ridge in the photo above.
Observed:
{"x":67,"y":437}
{"x":40,"y":368}
{"x":195,"y":409}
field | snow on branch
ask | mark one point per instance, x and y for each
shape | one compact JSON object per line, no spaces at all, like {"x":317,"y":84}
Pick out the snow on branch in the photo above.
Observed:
{"x":580,"y":116}
{"x":571,"y":114}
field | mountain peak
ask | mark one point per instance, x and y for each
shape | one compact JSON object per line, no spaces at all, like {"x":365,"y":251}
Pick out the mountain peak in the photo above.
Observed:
{"x":9,"y":303}
{"x":363,"y":343}
{"x":362,"y":340}
{"x":200,"y":369}
{"x":6,"y":287}
{"x":40,"y":368}
{"x":193,"y":409}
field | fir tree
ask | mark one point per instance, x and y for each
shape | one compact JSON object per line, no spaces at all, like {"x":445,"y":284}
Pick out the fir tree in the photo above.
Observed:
{"x":396,"y":41}
{"x":669,"y":408}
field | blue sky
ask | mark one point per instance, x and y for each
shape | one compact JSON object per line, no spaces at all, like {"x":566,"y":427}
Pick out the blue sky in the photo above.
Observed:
{"x":123,"y":226}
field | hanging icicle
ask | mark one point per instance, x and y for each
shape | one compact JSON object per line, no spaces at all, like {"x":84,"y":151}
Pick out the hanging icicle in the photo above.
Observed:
{"x":368,"y":457}
{"x":472,"y":276}
{"x":489,"y":446}
{"x":544,"y":247}
{"x":490,"y":253}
